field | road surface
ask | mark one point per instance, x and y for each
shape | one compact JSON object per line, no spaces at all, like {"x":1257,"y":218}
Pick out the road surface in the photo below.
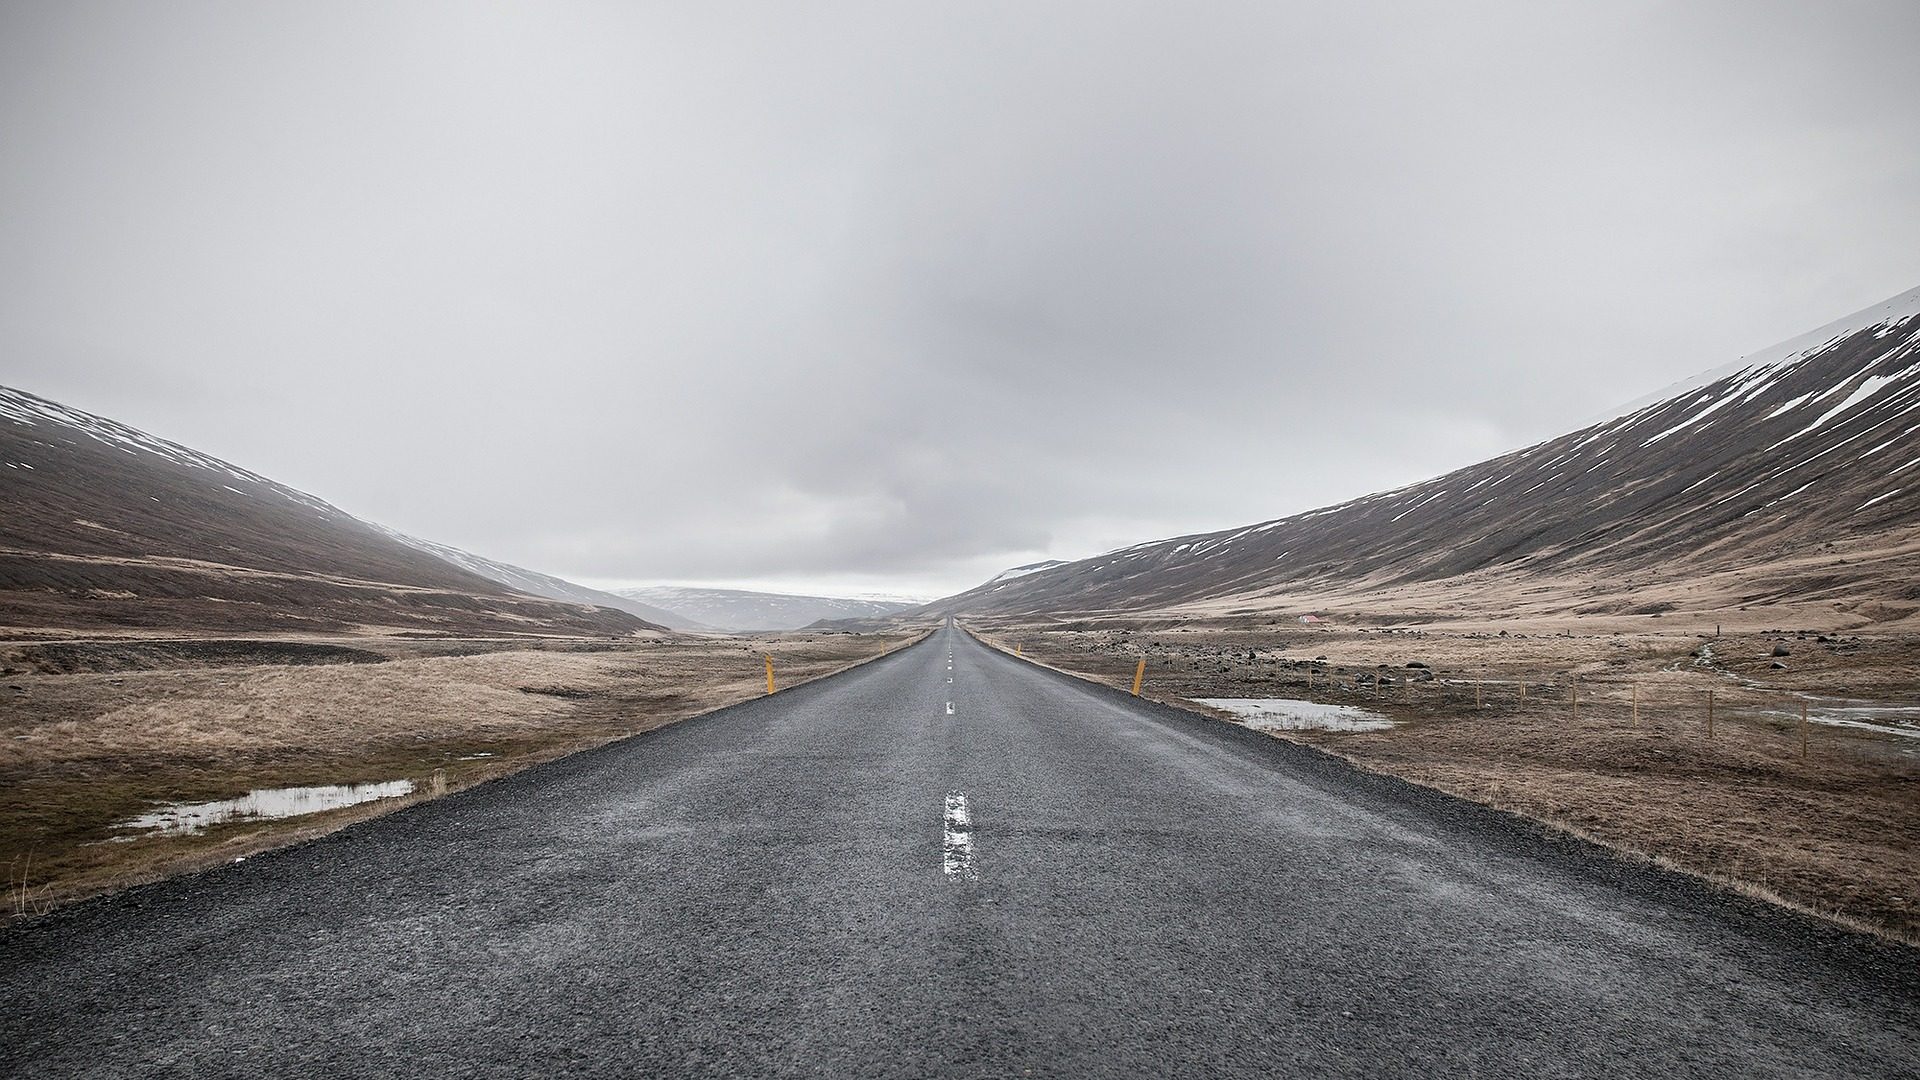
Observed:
{"x":935,"y":866}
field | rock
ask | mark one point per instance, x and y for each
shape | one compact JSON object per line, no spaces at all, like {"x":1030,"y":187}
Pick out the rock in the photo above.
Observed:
{"x":1782,"y":650}
{"x":1777,"y":664}
{"x":1415,"y":664}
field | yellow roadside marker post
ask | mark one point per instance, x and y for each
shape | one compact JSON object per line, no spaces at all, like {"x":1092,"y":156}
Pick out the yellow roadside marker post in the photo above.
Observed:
{"x":769,"y":674}
{"x":1139,"y":672}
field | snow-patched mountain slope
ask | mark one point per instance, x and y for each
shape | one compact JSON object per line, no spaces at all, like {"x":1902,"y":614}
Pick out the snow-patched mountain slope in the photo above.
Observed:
{"x":744,"y":611}
{"x":104,"y":525}
{"x":1814,"y":441}
{"x":50,"y":418}
{"x":535,"y":583}
{"x":1023,"y":571}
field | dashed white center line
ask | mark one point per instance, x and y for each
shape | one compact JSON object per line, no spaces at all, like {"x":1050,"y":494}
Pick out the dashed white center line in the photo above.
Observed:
{"x":958,"y":844}
{"x":949,"y":708}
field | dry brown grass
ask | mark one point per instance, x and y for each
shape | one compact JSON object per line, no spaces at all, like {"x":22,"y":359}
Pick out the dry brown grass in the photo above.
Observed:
{"x":80,"y":752}
{"x":1836,"y":833}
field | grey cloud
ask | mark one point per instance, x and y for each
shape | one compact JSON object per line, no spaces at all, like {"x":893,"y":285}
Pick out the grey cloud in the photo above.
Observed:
{"x":904,"y":294}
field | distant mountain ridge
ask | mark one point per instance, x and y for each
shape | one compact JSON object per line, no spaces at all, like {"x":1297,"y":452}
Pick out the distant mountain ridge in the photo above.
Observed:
{"x":1790,"y":476}
{"x":743,"y":611}
{"x":104,"y":526}
{"x":535,"y":583}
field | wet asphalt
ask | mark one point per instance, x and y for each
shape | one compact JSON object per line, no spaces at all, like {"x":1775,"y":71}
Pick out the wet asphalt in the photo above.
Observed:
{"x":782,"y":889}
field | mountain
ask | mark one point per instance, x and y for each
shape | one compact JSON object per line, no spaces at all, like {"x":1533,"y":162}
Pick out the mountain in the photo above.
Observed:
{"x":1789,"y":477}
{"x":1023,"y":571}
{"x":535,"y":583}
{"x":741,"y":611}
{"x":103,"y":526}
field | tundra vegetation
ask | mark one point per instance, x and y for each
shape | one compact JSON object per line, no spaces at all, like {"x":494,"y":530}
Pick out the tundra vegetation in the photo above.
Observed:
{"x":95,"y":732}
{"x":1600,"y":728}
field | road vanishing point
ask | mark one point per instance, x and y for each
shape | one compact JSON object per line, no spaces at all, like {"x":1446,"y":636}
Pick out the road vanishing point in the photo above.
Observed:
{"x":886,"y":874}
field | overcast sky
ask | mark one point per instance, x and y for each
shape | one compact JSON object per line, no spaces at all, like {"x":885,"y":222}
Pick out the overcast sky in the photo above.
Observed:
{"x":889,"y":297}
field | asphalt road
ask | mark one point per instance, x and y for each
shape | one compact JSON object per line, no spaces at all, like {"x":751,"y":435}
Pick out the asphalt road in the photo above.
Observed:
{"x":846,"y":880}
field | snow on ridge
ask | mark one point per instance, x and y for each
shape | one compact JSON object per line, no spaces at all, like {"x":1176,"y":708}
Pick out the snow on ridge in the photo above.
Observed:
{"x":1880,"y":317}
{"x":31,"y":410}
{"x":1023,"y":571}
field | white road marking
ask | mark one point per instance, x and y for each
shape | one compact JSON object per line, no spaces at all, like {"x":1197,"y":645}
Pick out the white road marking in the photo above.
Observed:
{"x":949,"y":708}
{"x":958,"y":845}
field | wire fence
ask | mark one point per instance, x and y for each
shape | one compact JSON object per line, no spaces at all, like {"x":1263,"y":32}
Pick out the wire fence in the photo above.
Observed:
{"x":1799,"y":721}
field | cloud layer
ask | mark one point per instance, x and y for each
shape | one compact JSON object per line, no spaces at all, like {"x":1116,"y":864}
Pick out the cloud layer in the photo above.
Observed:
{"x":893,"y":296}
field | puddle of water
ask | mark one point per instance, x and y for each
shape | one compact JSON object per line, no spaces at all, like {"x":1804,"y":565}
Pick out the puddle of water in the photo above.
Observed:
{"x":1902,"y":720}
{"x":1287,"y":714}
{"x":180,"y":819}
{"x":1904,"y":730}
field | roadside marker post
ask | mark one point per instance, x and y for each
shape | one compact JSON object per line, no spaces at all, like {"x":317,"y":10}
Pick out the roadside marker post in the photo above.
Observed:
{"x":769,"y":674}
{"x":1139,"y":673}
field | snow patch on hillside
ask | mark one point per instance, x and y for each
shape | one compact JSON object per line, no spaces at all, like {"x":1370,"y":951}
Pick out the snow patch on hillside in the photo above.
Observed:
{"x":33,"y":411}
{"x":1880,"y":317}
